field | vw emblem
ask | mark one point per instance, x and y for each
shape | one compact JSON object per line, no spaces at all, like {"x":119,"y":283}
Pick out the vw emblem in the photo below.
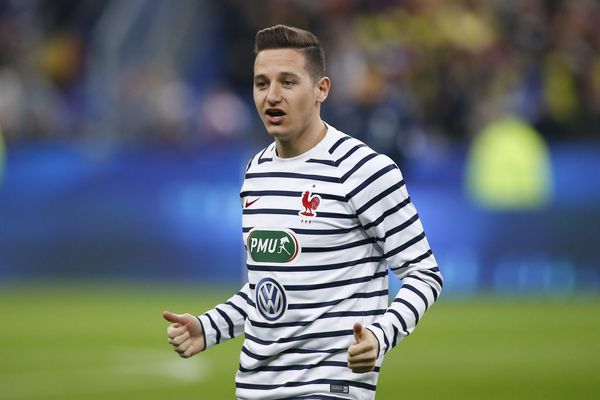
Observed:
{"x":270,"y":299}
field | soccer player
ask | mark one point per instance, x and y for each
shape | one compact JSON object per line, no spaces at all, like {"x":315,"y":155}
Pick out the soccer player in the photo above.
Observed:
{"x":324,"y":216}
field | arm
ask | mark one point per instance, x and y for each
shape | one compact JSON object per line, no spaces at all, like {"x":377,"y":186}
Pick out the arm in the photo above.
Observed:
{"x":190,"y":335}
{"x":387,"y":214}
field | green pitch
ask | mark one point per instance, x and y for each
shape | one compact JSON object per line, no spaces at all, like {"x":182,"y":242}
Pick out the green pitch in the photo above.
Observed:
{"x":103,"y":342}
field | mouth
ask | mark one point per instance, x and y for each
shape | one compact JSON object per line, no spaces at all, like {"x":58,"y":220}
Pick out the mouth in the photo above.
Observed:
{"x":275,"y":115}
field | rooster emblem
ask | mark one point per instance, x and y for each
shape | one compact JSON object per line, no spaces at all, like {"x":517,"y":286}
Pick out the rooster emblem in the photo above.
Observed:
{"x":310,"y":204}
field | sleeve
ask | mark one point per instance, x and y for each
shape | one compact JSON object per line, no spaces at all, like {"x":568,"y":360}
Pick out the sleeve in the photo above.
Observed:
{"x":379,"y":197}
{"x":226,"y":320}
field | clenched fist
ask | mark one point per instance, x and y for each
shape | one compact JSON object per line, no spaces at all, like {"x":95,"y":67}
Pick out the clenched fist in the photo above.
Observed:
{"x":185,"y":333}
{"x":363,"y":354}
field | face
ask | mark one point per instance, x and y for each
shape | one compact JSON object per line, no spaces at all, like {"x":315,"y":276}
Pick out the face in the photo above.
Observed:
{"x":286,"y":97}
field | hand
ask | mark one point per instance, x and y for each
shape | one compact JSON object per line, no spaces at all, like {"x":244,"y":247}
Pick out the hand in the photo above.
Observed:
{"x":185,"y":333}
{"x":363,"y":354}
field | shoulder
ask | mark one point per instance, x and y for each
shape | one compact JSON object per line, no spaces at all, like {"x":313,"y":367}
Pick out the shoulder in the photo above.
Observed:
{"x":357,"y":160}
{"x":263,"y":156}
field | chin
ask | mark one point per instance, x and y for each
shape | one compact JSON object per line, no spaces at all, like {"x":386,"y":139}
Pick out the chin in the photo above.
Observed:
{"x":277,"y":131}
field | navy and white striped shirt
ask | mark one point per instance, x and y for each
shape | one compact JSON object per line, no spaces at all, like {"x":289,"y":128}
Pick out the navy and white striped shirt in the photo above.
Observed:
{"x":320,"y":231}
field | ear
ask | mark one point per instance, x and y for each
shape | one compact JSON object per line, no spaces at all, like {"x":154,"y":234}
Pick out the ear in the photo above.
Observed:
{"x":322,"y":88}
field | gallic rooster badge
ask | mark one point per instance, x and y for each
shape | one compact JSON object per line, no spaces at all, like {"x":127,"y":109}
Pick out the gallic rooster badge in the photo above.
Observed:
{"x":310,"y":202}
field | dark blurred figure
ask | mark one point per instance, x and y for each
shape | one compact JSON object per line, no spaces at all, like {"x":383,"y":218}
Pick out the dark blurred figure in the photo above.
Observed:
{"x":411,"y":74}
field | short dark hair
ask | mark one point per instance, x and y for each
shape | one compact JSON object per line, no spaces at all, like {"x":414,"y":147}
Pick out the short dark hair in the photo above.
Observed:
{"x":289,"y":37}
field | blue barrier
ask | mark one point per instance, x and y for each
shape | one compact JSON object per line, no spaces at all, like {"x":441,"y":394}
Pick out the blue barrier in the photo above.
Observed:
{"x":157,"y":214}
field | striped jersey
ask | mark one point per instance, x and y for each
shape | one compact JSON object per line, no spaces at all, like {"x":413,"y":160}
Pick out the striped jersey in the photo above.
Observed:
{"x":321,"y":230}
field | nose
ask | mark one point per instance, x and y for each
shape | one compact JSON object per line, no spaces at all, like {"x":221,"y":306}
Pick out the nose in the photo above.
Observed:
{"x":273,"y":95}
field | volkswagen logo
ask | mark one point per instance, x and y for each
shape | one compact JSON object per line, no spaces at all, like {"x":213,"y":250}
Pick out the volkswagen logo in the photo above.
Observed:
{"x":270,"y":299}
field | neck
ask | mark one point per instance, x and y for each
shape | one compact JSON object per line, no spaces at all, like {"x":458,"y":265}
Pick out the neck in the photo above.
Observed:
{"x":303,"y":143}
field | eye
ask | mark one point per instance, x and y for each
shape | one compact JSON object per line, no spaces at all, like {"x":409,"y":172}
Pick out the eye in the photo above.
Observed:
{"x":288,"y":83}
{"x":260,"y":84}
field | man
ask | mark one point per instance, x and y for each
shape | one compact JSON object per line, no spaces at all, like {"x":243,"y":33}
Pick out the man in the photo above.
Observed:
{"x":323,"y":217}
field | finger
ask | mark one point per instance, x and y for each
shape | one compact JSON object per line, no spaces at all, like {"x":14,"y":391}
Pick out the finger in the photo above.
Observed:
{"x":360,"y":348}
{"x":174,"y":331}
{"x":363,"y":358}
{"x":189,"y":352}
{"x":175,"y":318}
{"x":183,"y":346}
{"x":357,"y":330}
{"x":181,"y":338}
{"x":362,"y":370}
{"x":362,"y":366}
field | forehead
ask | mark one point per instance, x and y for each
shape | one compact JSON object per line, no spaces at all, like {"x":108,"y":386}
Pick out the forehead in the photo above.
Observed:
{"x":277,"y":61}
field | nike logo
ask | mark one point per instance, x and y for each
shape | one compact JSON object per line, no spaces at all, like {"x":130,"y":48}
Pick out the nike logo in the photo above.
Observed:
{"x":249,"y":203}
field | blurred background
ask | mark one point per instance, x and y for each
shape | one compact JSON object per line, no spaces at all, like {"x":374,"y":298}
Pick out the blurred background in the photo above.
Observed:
{"x":126,"y":125}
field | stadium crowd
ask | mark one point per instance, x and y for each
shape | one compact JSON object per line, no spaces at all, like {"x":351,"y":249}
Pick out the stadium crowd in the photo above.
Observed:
{"x":405,"y":72}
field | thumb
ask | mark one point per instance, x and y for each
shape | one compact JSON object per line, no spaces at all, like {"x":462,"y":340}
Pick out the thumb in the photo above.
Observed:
{"x":357,"y":329}
{"x":175,"y":318}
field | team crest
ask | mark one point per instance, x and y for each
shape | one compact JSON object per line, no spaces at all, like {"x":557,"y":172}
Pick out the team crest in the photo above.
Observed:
{"x":310,"y":203}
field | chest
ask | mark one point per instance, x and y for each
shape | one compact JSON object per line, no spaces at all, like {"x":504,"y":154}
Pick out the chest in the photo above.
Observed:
{"x":316,"y":210}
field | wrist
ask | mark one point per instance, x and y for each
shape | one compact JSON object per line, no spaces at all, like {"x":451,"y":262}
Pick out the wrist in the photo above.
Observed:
{"x":210,"y":339}
{"x":380,"y":337}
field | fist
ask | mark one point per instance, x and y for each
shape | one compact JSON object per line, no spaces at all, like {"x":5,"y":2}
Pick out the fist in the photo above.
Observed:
{"x":362,"y":355}
{"x":185,"y":334}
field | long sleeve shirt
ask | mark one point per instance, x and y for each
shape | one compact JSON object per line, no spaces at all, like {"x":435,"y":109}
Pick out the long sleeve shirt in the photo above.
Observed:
{"x":321,"y":230}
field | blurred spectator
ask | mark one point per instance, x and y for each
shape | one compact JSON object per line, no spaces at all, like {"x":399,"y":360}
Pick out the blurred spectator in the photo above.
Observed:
{"x":508,"y":167}
{"x":405,"y":72}
{"x":1,"y":156}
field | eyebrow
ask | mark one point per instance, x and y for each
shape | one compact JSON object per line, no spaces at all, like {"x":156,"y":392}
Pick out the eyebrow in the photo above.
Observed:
{"x":281,"y":74}
{"x":292,"y":74}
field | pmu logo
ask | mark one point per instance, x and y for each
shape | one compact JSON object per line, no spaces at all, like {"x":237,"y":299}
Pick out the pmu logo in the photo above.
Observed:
{"x":270,"y":299}
{"x":272,"y":246}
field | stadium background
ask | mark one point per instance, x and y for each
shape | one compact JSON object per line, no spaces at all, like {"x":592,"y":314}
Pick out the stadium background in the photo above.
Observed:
{"x":126,"y":126}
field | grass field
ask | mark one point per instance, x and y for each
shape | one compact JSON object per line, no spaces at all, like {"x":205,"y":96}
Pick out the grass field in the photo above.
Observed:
{"x":102,"y":342}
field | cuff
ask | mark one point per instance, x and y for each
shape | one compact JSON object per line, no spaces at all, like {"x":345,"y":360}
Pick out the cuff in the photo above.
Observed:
{"x":381,"y":339}
{"x":210,"y":335}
